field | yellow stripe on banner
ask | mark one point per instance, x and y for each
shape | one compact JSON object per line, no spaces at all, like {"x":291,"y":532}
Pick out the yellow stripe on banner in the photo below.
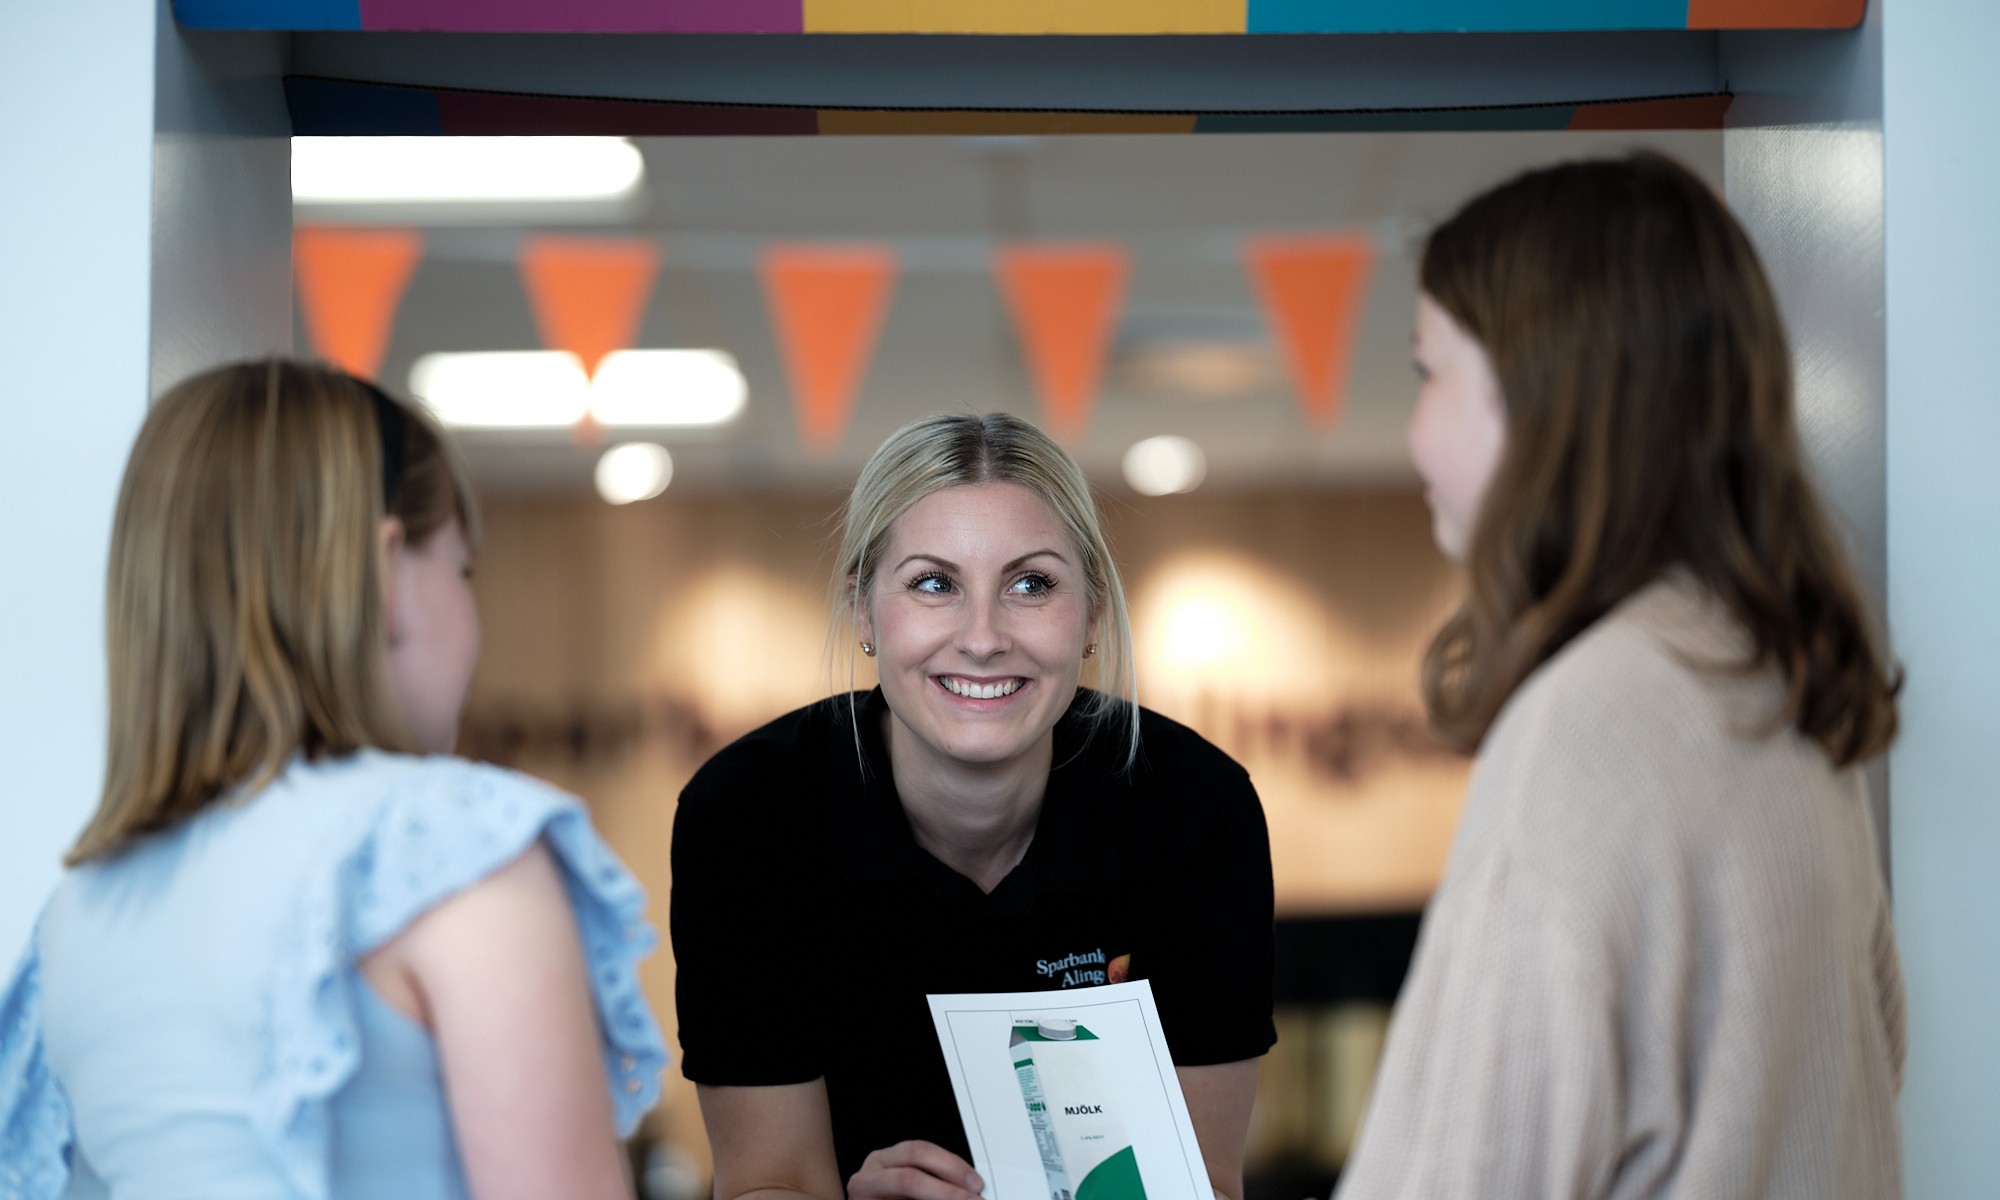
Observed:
{"x":873,"y":122}
{"x":1026,"y":16}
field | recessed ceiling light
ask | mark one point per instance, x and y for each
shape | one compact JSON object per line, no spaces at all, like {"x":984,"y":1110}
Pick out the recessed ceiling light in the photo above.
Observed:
{"x":458,"y":170}
{"x":1163,"y":465}
{"x":634,"y":471}
{"x":547,"y":389}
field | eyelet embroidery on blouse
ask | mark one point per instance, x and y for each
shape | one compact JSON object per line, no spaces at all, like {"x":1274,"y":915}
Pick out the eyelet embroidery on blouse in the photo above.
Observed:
{"x":443,"y":824}
{"x":34,"y":1115}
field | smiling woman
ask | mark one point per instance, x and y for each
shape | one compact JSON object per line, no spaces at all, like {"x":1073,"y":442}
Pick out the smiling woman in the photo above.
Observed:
{"x":980,"y":815}
{"x":953,"y":482}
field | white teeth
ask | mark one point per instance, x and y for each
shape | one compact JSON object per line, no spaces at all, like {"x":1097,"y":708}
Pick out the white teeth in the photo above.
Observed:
{"x":980,"y":691}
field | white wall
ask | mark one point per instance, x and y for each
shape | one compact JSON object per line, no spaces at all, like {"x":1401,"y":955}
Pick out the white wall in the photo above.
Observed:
{"x":1942,"y":154}
{"x":76,"y":85}
{"x":91,"y":320}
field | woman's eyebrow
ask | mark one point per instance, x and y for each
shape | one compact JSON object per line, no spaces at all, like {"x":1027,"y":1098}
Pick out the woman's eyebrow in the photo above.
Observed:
{"x":933,"y":559}
{"x":949,"y":565}
{"x":1058,"y":555}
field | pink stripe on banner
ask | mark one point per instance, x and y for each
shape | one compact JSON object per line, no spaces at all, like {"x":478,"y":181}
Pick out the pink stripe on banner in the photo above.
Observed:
{"x":587,"y":16}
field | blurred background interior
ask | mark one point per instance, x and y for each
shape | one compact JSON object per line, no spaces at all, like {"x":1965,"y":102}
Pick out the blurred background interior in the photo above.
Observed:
{"x":643,"y":606}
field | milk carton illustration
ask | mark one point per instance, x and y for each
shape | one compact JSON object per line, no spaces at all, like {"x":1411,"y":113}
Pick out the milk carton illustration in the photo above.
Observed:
{"x":1085,"y":1152}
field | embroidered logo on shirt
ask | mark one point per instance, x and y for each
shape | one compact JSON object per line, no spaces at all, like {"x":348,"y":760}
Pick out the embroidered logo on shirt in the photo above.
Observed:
{"x":1083,"y":970}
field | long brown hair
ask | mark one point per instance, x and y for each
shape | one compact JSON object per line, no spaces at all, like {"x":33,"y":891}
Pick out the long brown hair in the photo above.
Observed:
{"x":1648,"y":390}
{"x":244,"y":615}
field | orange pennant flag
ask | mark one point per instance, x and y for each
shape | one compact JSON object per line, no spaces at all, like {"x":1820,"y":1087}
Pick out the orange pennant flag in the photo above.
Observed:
{"x":827,"y":305}
{"x":350,"y":282}
{"x":1065,"y":301}
{"x":589,"y":294}
{"x":1313,"y":290}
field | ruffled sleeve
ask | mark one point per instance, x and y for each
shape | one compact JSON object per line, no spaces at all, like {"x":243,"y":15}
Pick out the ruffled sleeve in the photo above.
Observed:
{"x":35,"y":1132}
{"x":442,"y":826}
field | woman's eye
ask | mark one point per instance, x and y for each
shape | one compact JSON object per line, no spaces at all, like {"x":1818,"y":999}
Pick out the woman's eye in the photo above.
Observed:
{"x":931,"y":585}
{"x":1032,"y":585}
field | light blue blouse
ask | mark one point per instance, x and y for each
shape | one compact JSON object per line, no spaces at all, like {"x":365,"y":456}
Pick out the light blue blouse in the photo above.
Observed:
{"x":188,"y":1022}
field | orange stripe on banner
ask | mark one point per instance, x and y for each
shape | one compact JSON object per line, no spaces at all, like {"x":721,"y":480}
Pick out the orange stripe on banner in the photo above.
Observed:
{"x":1065,"y":301}
{"x":1686,"y":112}
{"x":975,"y":123}
{"x":827,"y":306}
{"x":1775,"y":14}
{"x":350,"y":282}
{"x":588,"y":294}
{"x":1313,"y":290}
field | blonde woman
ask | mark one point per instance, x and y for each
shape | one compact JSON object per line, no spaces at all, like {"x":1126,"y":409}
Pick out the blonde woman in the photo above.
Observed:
{"x":978,"y":823}
{"x":299,"y":951}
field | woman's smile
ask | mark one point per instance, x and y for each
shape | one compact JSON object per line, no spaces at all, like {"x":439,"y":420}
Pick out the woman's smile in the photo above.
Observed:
{"x":981,"y":687}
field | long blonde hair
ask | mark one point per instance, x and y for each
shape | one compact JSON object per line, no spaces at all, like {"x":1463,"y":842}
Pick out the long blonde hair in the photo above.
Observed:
{"x":244,"y":618}
{"x":947,"y":451}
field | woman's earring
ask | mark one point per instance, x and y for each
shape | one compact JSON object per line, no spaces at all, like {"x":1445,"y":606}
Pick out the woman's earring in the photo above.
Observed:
{"x":868,"y":649}
{"x":1090,"y":650}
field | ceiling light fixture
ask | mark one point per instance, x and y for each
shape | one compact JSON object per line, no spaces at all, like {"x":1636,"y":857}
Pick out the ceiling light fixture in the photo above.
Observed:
{"x":458,"y":170}
{"x":1163,"y":465}
{"x":505,"y":389}
{"x":668,"y":387}
{"x":634,"y":471}
{"x":547,"y":389}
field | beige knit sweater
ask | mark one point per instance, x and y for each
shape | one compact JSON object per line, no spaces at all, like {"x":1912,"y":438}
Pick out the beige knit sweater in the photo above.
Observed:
{"x":1660,"y":963}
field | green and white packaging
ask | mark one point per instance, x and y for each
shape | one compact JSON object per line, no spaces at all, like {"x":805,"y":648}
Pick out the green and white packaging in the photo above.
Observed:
{"x":1078,"y":1129}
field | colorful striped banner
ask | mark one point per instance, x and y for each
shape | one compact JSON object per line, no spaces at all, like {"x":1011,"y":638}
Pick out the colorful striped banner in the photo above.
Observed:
{"x":339,"y":108}
{"x":1017,"y":17}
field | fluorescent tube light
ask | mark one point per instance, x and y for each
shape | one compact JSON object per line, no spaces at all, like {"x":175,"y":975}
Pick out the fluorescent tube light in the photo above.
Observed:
{"x":668,"y":387}
{"x":506,"y":389}
{"x":547,"y":389}
{"x":458,"y":170}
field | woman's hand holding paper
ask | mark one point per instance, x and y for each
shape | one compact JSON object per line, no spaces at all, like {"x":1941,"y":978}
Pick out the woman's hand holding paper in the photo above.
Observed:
{"x":914,"y":1171}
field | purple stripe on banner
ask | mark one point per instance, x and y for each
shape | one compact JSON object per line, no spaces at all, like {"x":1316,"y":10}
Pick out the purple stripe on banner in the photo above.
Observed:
{"x":587,"y":16}
{"x":483,"y":113}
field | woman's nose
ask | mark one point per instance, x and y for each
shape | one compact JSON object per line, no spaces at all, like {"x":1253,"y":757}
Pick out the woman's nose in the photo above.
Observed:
{"x":984,"y":634}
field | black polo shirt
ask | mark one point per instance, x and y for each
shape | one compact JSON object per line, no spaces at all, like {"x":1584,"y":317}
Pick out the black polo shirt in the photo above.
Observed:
{"x":808,"y":925}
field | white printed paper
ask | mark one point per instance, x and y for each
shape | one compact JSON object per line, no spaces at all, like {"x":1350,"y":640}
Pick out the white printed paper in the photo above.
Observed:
{"x":1070,"y":1095}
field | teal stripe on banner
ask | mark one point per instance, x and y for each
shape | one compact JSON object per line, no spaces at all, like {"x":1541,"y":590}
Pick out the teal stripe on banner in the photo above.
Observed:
{"x":268,"y":14}
{"x":1447,"y":120}
{"x":1462,"y":16}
